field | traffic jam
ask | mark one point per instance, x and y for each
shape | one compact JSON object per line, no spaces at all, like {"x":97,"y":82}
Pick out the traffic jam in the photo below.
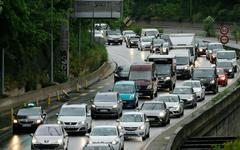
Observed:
{"x":172,"y":57}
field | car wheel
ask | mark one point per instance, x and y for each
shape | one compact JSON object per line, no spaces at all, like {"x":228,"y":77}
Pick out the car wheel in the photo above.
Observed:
{"x":120,"y":43}
{"x":232,"y":76}
{"x":235,"y":69}
{"x":14,"y":130}
{"x":89,"y":130}
{"x":168,"y":122}
{"x":155,"y":94}
{"x":144,"y":138}
{"x":108,"y":43}
{"x":171,"y":88}
{"x":130,"y":46}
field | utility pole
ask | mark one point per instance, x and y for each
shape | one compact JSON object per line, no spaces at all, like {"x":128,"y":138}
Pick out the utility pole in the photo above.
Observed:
{"x":51,"y":74}
{"x":2,"y":74}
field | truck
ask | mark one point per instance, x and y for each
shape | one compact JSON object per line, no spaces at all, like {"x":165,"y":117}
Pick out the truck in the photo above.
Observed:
{"x":184,"y":41}
{"x":184,"y":67}
{"x":144,"y":76}
{"x":165,"y":70}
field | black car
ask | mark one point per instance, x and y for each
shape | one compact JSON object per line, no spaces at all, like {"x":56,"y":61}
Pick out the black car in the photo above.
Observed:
{"x":227,"y":66}
{"x":208,"y":78}
{"x":29,"y":117}
{"x":132,"y":41}
{"x":121,"y":73}
{"x":201,"y":48}
{"x":157,"y":46}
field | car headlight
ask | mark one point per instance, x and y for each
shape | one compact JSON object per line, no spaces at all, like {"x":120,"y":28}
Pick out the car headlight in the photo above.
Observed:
{"x":210,"y":51}
{"x":114,"y":142}
{"x":149,"y":87}
{"x":167,"y":78}
{"x":213,"y":56}
{"x":164,"y":50}
{"x":34,"y":140}
{"x":142,"y":127}
{"x":154,"y":48}
{"x":120,"y":127}
{"x":81,"y":122}
{"x":38,"y":121}
{"x":190,"y":99}
{"x":186,"y":68}
{"x":59,"y":122}
{"x":115,"y":106}
{"x":132,"y":96}
{"x":90,"y":141}
{"x":230,"y":70}
{"x":161,"y":114}
{"x":94,"y":106}
{"x":15,"y":121}
{"x":177,"y":108}
{"x":212,"y":82}
{"x":200,"y":49}
{"x":60,"y":141}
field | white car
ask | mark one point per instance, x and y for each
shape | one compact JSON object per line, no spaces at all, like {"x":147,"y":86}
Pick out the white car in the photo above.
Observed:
{"x":107,"y":134}
{"x":134,"y":124}
{"x":229,"y":55}
{"x":49,"y":136}
{"x":75,"y":118}
{"x":198,"y":88}
{"x":145,"y":43}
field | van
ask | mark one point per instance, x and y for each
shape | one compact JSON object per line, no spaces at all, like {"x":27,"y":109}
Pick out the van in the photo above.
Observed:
{"x":150,"y":32}
{"x":144,"y":75}
{"x":229,"y":55}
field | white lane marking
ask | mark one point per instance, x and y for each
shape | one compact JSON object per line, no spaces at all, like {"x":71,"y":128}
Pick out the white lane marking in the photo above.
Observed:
{"x":84,"y":94}
{"x":93,"y":90}
{"x":108,"y":83}
{"x":100,"y":87}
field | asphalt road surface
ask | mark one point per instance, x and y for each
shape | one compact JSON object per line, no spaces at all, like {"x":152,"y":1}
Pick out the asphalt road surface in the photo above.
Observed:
{"x":122,"y":56}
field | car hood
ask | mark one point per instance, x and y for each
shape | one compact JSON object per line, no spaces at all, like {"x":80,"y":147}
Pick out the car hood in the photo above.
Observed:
{"x":102,"y":139}
{"x":114,"y":36}
{"x":185,"y":96}
{"x":104,"y":104}
{"x":145,"y":43}
{"x":182,"y":66}
{"x":171,"y":104}
{"x":48,"y":139}
{"x":204,"y":80}
{"x":71,"y":118}
{"x":152,"y":112}
{"x":131,"y":124}
{"x":127,"y":96}
{"x":197,"y":89}
{"x":142,"y":82}
{"x":29,"y":117}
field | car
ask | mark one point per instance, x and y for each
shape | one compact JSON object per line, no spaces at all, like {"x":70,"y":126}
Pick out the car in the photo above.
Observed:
{"x":174,"y":104}
{"x":227,"y":66}
{"x":157,"y":46}
{"x":187,"y":94}
{"x":132,"y":41}
{"x":157,"y":113}
{"x":222,"y":77}
{"x":134,"y":124}
{"x":50,"y":136}
{"x":114,"y":37}
{"x":198,"y":88}
{"x":208,"y":78}
{"x":98,"y":34}
{"x":128,"y":33}
{"x":213,"y":55}
{"x":98,"y":146}
{"x":212,"y":46}
{"x":201,"y":48}
{"x":144,"y":43}
{"x":107,"y":104}
{"x":107,"y":134}
{"x":75,"y":118}
{"x":128,"y":93}
{"x":29,"y":117}
{"x":229,"y":55}
{"x":121,"y":73}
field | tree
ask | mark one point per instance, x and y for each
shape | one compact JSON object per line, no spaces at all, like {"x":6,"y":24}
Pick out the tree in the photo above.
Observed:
{"x":208,"y":26}
{"x":236,"y":32}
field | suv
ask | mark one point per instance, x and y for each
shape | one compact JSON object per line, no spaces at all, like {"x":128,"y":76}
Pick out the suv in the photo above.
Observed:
{"x":114,"y":37}
{"x":156,"y":46}
{"x":108,"y":104}
{"x":208,"y":77}
{"x":214,"y":55}
{"x":75,"y":118}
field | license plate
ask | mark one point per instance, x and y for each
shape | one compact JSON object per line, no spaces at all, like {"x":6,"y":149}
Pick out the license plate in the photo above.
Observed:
{"x":70,"y":127}
{"x":129,"y":132}
{"x":104,"y":110}
{"x":26,"y":125}
{"x":151,"y":119}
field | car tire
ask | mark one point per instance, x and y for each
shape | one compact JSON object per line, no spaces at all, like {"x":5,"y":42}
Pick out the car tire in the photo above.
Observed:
{"x":171,"y":88}
{"x":14,"y":130}
{"x":156,"y":94}
{"x":120,"y":43}
{"x":235,"y":69}
{"x":89,"y":130}
{"x":168,"y":122}
{"x":144,"y":138}
{"x":182,"y":114}
{"x":108,"y":43}
{"x":148,"y":135}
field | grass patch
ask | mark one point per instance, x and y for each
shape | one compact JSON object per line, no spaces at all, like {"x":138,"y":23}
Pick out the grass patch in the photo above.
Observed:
{"x":233,"y":145}
{"x":220,"y":95}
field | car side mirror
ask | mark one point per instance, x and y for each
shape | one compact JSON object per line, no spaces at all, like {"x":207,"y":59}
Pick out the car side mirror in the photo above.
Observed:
{"x":31,"y":134}
{"x":138,"y":109}
{"x":118,"y":120}
{"x":87,"y":134}
{"x":57,"y":114}
{"x":147,"y":120}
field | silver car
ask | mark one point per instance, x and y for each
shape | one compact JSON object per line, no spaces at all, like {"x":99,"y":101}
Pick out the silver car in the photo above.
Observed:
{"x":50,"y":136}
{"x":174,"y":104}
{"x":186,"y":94}
{"x":107,"y":104}
{"x":107,"y":134}
{"x":134,"y":124}
{"x":98,"y":146}
{"x":157,"y":113}
{"x":198,"y":88}
{"x":144,"y":43}
{"x":75,"y":118}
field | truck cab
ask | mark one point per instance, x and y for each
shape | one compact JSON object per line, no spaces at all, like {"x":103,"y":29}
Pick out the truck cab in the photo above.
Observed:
{"x":144,"y":75}
{"x":165,"y":70}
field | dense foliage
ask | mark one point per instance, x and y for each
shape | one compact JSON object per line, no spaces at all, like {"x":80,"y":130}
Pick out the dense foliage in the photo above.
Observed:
{"x":185,"y":10}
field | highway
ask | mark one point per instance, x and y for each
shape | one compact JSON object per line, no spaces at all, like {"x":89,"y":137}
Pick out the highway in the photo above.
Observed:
{"x":122,"y":56}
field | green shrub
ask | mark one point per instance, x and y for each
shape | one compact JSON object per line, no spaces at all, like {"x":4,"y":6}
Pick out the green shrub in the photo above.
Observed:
{"x":136,"y":28}
{"x":236,"y":32}
{"x":160,"y":30}
{"x":208,"y":26}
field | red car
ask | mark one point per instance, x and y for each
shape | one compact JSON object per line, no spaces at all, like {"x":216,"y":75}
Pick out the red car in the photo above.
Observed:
{"x":222,"y":77}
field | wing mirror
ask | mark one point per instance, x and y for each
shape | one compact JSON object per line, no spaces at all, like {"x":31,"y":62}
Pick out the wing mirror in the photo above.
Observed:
{"x":118,"y":120}
{"x":57,"y":114}
{"x":87,"y":134}
{"x":31,"y":134}
{"x":147,"y":120}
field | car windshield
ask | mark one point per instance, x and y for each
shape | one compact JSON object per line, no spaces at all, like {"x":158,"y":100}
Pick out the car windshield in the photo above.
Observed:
{"x":151,"y":33}
{"x":134,"y":39}
{"x":152,"y":106}
{"x":203,"y":73}
{"x":216,"y":50}
{"x":132,"y":118}
{"x":114,"y":33}
{"x":220,"y":71}
{"x":128,"y":32}
{"x":163,"y":69}
{"x":168,"y":98}
{"x":202,"y":44}
{"x":124,"y":88}
{"x":215,"y":46}
{"x":140,"y":75}
{"x":146,"y":39}
{"x":158,"y":41}
{"x":226,"y":55}
{"x":182,"y":60}
{"x":72,"y":111}
{"x":192,"y":84}
{"x":106,"y":98}
{"x":224,"y":64}
{"x":104,"y":131}
{"x":48,"y":131}
{"x":97,"y":147}
{"x":182,"y":91}
{"x":33,"y":111}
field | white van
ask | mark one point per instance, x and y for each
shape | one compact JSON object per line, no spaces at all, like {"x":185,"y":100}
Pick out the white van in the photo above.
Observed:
{"x":229,"y":55}
{"x":150,"y":32}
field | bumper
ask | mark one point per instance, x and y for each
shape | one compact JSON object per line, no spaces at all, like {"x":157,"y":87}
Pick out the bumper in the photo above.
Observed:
{"x":135,"y":133}
{"x":145,"y":92}
{"x":222,"y":82}
{"x":133,"y":44}
{"x":188,"y":104}
{"x":115,"y":41}
{"x":104,"y":112}
{"x":210,"y":87}
{"x":174,"y":112}
{"x":201,"y":52}
{"x":183,"y":73}
{"x":129,"y":103}
{"x":74,"y":129}
{"x":47,"y":146}
{"x":146,"y":48}
{"x":164,"y":84}
{"x":155,"y":120}
{"x":25,"y":126}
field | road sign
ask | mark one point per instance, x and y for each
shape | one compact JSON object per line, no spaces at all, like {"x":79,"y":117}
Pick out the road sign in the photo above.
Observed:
{"x":224,"y":39}
{"x":97,"y":8}
{"x":224,"y":29}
